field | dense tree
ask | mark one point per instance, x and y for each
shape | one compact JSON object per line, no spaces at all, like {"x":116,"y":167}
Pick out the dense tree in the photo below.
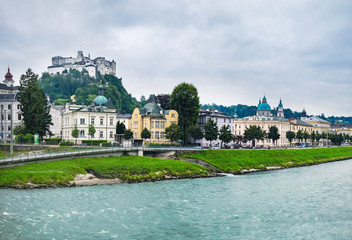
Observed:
{"x":274,"y":134}
{"x":120,"y":128}
{"x":306,"y":136}
{"x":75,"y":132}
{"x":19,"y":129}
{"x":128,"y":134}
{"x":173,"y":132}
{"x":225,"y":134}
{"x":253,"y":133}
{"x":299,"y":135}
{"x":195,"y":132}
{"x":145,"y":134}
{"x":185,"y":100}
{"x":164,"y":101}
{"x":34,"y":105}
{"x":211,"y":130}
{"x":290,"y":136}
{"x":313,"y":136}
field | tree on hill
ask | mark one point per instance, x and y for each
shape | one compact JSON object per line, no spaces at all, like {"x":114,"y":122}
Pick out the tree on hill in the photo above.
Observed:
{"x":173,"y":132}
{"x":195,"y":132}
{"x":34,"y":105}
{"x":225,"y":134}
{"x":211,"y":130}
{"x":290,"y":136}
{"x":274,"y":134}
{"x":185,"y":100}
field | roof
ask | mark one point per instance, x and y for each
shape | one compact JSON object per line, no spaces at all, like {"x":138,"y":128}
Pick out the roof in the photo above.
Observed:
{"x":8,"y":96}
{"x":127,"y":115}
{"x":314,"y":119}
{"x":264,"y":107}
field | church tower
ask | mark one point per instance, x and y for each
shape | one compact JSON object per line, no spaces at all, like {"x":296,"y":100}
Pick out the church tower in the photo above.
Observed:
{"x":8,"y":78}
{"x":280,"y":110}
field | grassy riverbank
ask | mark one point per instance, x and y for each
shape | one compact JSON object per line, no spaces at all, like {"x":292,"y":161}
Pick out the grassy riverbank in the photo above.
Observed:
{"x":127,"y":168}
{"x":237,"y":161}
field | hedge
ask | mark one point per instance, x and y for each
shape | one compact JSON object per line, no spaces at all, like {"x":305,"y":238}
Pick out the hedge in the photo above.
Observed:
{"x":93,"y":142}
{"x":53,"y":141}
{"x":66,"y":143}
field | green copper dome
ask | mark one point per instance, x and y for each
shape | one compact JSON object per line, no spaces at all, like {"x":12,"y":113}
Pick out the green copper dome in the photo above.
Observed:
{"x":264,"y":107}
{"x":100,"y":100}
{"x":280,"y":104}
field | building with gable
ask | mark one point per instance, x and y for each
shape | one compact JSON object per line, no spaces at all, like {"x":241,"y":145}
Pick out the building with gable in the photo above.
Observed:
{"x":153,"y":117}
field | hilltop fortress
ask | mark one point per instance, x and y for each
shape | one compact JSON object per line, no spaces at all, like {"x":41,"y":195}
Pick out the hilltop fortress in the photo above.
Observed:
{"x":92,"y":66}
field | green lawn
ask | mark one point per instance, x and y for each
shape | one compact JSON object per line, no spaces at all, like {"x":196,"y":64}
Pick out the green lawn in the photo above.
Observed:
{"x":234,"y":161}
{"x":127,"y":168}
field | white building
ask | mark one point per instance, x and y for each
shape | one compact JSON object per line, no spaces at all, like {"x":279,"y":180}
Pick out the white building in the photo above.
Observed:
{"x":96,"y":114}
{"x":92,"y":66}
{"x":220,"y":119}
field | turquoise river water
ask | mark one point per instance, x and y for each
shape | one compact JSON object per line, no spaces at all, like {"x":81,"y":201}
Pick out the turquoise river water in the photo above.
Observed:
{"x":299,"y":203}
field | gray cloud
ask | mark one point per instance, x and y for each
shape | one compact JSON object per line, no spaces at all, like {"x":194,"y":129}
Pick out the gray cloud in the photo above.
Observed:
{"x":232,"y":51}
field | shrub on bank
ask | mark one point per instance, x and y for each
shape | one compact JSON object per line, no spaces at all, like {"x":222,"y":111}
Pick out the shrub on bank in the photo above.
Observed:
{"x":93,"y":142}
{"x":66,"y":143}
{"x":25,"y":139}
{"x":52,"y":141}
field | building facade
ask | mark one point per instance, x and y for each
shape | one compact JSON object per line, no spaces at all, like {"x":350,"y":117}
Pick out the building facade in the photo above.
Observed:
{"x":97,"y":114}
{"x":153,"y":117}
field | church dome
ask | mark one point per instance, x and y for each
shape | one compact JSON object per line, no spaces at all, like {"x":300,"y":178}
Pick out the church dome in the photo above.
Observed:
{"x":100,"y":100}
{"x":8,"y":75}
{"x":264,"y":107}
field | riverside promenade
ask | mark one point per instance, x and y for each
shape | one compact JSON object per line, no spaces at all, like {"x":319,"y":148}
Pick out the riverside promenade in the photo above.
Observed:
{"x":101,"y":152}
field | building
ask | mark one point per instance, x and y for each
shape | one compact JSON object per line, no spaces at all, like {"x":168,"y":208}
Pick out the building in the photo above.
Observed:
{"x":56,"y":118}
{"x":220,"y":118}
{"x":265,"y":118}
{"x":92,"y":66}
{"x":125,"y":119}
{"x":319,"y":125}
{"x":97,"y":114}
{"x":153,"y":117}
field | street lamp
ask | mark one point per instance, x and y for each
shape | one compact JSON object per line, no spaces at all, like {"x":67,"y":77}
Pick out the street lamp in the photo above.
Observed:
{"x":11,"y":124}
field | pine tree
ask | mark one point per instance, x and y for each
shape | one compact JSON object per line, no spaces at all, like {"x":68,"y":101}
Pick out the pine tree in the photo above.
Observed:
{"x":34,"y":105}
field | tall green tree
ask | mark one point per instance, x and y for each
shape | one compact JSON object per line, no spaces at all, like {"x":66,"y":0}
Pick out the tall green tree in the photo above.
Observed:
{"x":120,"y":128}
{"x":211,"y":130}
{"x":34,"y":105}
{"x":195,"y":132}
{"x":173,"y":132}
{"x":225,"y":134}
{"x":274,"y":134}
{"x":313,"y":136}
{"x":299,"y":135}
{"x":185,"y":100}
{"x":91,"y":131}
{"x":290,"y":136}
{"x":253,"y":133}
{"x":75,"y":132}
{"x":306,"y":136}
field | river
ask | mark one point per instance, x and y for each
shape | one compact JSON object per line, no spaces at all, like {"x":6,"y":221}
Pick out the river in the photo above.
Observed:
{"x":300,"y":203}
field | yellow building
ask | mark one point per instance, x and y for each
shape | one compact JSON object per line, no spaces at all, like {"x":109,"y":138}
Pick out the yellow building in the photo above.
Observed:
{"x":153,"y":117}
{"x":319,"y":125}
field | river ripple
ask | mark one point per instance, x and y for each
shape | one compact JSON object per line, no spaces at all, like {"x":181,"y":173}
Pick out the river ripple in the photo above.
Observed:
{"x":300,"y":203}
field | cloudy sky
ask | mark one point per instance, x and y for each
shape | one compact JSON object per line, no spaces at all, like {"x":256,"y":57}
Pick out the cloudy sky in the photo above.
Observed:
{"x":233,"y":51}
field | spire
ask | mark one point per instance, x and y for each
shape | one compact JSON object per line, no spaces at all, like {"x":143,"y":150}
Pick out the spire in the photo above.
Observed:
{"x":280,"y":104}
{"x":264,"y":99}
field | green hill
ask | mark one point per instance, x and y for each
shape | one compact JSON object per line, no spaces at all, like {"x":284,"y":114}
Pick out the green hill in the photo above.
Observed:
{"x":61,"y":87}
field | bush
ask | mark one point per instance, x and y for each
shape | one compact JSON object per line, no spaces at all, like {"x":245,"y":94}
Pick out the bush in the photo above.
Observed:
{"x":52,"y":141}
{"x":28,"y":138}
{"x":93,"y":142}
{"x":66,"y":143}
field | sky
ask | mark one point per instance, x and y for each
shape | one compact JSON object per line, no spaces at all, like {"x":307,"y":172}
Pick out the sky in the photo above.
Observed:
{"x":233,"y":52}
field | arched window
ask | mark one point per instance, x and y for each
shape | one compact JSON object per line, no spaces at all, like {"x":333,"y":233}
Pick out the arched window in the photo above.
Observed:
{"x":81,"y":133}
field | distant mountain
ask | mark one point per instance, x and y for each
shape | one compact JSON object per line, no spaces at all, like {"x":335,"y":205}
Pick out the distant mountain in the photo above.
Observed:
{"x":61,"y":87}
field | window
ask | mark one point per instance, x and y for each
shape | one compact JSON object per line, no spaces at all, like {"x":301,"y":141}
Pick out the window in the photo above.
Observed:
{"x":173,"y":115}
{"x":9,"y":128}
{"x":152,"y":124}
{"x":2,"y":117}
{"x":81,"y":133}
{"x":135,"y":135}
{"x":82,"y":121}
{"x":9,"y":117}
{"x":156,"y":124}
{"x":135,"y":123}
{"x":111,"y":135}
{"x":145,"y":123}
{"x":9,"y":106}
{"x":101,"y":121}
{"x":111,"y":121}
{"x":151,"y":134}
{"x":75,"y":120}
{"x":19,"y":117}
{"x":162,"y":123}
{"x":101,"y":134}
{"x":135,"y":115}
{"x":92,"y":121}
{"x":18,"y":106}
{"x":161,"y":135}
{"x":156,"y":134}
{"x":2,"y":106}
